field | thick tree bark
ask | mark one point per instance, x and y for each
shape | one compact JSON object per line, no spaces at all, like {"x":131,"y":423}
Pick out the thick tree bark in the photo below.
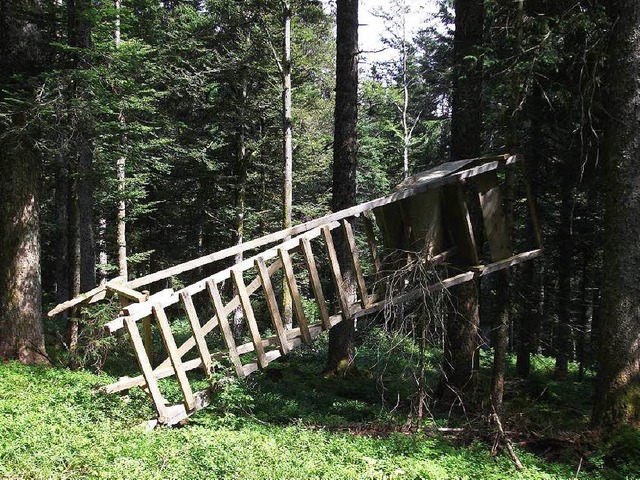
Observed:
{"x":341,"y":355}
{"x":618,"y":384}
{"x":461,"y":362}
{"x":21,"y":327}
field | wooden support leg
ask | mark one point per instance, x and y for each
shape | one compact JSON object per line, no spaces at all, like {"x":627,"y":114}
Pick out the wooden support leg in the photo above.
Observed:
{"x":196,"y":329}
{"x":355,"y":261}
{"x":272,"y":305}
{"x":176,"y":360}
{"x":295,"y":294}
{"x":314,"y":279}
{"x":223,"y":320}
{"x":250,"y":317}
{"x":336,"y":273}
{"x":147,"y":370}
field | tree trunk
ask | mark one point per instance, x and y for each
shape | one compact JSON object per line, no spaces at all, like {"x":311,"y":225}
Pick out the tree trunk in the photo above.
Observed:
{"x":461,"y":362}
{"x":287,"y":143}
{"x":121,"y":173}
{"x":82,"y":241}
{"x":21,"y":327}
{"x":618,"y":386}
{"x":529,"y":319}
{"x":565,"y":246}
{"x":341,"y":355}
{"x":502,"y":328}
{"x":241,"y":191}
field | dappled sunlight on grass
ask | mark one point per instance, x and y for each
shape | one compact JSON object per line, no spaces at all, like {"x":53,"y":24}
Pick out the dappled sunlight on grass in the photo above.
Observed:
{"x":285,"y":422}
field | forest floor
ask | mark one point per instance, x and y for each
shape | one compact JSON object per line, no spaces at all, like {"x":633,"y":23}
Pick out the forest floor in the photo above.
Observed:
{"x":289,"y":422}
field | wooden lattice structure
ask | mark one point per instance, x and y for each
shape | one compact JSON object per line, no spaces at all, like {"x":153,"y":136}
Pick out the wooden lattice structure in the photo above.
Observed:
{"x":427,"y":216}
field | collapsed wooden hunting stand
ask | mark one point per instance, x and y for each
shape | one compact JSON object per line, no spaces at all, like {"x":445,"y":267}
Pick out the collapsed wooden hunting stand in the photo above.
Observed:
{"x":426,"y":218}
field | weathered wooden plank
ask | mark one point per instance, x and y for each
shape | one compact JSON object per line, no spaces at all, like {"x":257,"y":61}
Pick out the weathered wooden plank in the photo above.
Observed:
{"x":459,"y":223}
{"x":160,"y":297}
{"x":336,"y":273}
{"x":227,"y":336}
{"x":272,"y":305}
{"x":201,"y":343}
{"x":424,"y":213}
{"x":287,"y":265}
{"x":147,"y":371}
{"x":249,"y":316}
{"x":92,"y":296}
{"x":509,"y":262}
{"x":177,"y":413}
{"x":355,"y":262}
{"x":438,"y":179}
{"x":314,"y":279}
{"x":147,"y":337}
{"x":127,"y":292}
{"x":493,"y":216}
{"x":172,"y":350}
{"x":367,"y":224}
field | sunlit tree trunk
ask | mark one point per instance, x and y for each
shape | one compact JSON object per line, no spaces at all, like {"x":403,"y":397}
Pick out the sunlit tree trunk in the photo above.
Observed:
{"x":340,"y":355}
{"x":21,"y":327}
{"x":121,"y":218}
{"x":287,"y":142}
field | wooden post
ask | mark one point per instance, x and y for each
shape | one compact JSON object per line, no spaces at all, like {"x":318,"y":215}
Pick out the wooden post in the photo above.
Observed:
{"x":336,"y":273}
{"x":295,"y":293}
{"x":249,"y":316}
{"x":355,"y":261}
{"x":314,"y":279}
{"x":272,"y":305}
{"x":176,"y":361}
{"x":201,"y":343}
{"x":147,"y":370}
{"x":225,"y":328}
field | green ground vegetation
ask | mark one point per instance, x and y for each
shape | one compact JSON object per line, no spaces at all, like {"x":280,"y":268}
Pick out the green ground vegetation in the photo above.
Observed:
{"x":290,"y":422}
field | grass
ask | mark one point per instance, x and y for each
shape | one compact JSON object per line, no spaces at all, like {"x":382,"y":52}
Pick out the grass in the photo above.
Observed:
{"x":285,"y":423}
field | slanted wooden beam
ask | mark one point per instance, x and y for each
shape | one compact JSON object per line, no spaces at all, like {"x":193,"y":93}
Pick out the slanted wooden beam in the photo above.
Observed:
{"x":196,"y":329}
{"x":272,"y":305}
{"x":147,"y":370}
{"x":290,"y":276}
{"x":227,"y":336}
{"x":355,"y":262}
{"x":176,"y":360}
{"x":314,"y":279}
{"x":249,"y":316}
{"x":337,"y":274}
